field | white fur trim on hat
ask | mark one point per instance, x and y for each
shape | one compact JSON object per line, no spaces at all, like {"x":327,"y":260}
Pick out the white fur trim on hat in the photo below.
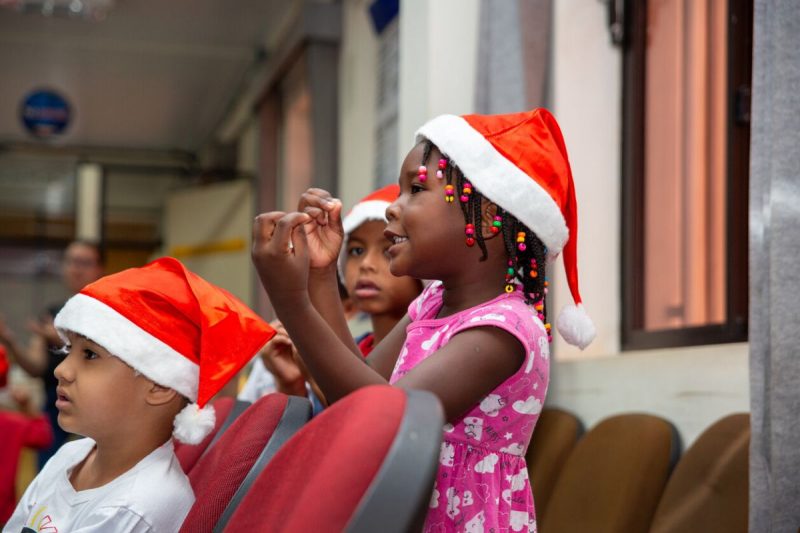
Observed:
{"x":193,"y":424}
{"x":575,"y":326}
{"x":363,"y":212}
{"x":122,"y":338}
{"x":498,"y":179}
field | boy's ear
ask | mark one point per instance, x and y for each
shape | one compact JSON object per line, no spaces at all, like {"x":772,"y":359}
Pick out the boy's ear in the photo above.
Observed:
{"x":488,"y":212}
{"x":158,"y":395}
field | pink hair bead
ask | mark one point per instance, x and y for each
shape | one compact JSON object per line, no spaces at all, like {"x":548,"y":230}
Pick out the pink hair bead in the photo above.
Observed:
{"x":440,"y":174}
{"x":521,"y":247}
{"x":442,"y":164}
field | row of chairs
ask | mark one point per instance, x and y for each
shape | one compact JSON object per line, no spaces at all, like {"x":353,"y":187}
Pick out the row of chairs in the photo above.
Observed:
{"x":366,"y":463}
{"x":627,"y":474}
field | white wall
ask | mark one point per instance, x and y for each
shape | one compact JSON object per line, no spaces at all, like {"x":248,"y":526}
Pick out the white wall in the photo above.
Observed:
{"x":586,"y":98}
{"x":357,"y":105}
{"x":209,"y":229}
{"x":692,"y":387}
{"x":438,"y":60}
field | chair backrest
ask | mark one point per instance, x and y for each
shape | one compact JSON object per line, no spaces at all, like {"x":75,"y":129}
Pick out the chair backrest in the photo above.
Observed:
{"x":220,"y":472}
{"x":239,"y":407}
{"x":556,"y":434}
{"x":613,"y":479}
{"x":708,"y":491}
{"x":188,"y":454}
{"x":366,"y":463}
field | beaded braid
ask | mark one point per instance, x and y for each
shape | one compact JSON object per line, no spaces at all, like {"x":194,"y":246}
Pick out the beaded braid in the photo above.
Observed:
{"x":527,"y":266}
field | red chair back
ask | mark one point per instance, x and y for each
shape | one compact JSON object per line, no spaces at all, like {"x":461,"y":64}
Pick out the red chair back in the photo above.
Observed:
{"x":188,"y":454}
{"x":220,"y":472}
{"x":366,"y":462}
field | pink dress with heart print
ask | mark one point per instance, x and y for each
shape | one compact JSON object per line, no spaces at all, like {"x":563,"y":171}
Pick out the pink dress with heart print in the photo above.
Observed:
{"x":482,"y":483}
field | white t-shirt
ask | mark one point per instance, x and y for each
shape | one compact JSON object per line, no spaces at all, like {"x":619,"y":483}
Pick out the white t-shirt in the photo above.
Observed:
{"x":154,"y":496}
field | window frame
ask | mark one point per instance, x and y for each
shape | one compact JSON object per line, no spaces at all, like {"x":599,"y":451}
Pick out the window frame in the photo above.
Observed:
{"x":633,"y":336}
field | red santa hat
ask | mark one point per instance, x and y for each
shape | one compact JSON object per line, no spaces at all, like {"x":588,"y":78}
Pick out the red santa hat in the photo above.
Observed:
{"x":172,"y":326}
{"x":519,"y":162}
{"x":371,"y":207}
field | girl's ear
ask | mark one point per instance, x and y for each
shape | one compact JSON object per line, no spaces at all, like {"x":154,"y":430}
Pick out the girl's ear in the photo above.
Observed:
{"x":488,"y":212}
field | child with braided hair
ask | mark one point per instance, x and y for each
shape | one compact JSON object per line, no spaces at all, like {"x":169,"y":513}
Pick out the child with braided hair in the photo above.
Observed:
{"x":477,"y":337}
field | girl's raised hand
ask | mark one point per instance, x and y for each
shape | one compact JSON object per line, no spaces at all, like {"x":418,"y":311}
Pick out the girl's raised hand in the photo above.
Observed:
{"x":325,"y":235}
{"x":280,"y":255}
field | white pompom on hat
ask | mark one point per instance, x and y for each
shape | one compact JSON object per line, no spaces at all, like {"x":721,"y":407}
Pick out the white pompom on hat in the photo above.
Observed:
{"x":519,"y":162}
{"x":174,"y":327}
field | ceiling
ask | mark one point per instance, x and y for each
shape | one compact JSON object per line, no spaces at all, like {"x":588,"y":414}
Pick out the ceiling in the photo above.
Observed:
{"x":155,"y":74}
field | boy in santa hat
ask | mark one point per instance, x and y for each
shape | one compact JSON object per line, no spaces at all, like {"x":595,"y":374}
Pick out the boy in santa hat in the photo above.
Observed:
{"x":146,"y":348}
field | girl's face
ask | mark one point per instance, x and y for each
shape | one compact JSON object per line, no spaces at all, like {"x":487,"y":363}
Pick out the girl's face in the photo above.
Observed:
{"x":426,"y":233}
{"x":371,"y":286}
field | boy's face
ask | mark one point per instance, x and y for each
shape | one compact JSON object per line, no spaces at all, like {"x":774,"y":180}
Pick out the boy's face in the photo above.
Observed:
{"x":369,"y":283}
{"x":97,"y":392}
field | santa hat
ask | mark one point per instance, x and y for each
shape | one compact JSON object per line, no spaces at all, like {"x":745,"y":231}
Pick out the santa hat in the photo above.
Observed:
{"x":519,"y":162}
{"x":371,"y":207}
{"x":172,"y":326}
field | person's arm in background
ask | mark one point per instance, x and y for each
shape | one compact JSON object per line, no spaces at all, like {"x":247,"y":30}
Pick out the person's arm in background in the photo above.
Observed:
{"x":279,"y":359}
{"x":38,"y":434}
{"x":33,"y":359}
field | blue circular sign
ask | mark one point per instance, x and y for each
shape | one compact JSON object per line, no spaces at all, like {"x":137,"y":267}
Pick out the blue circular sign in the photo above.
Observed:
{"x":45,"y":113}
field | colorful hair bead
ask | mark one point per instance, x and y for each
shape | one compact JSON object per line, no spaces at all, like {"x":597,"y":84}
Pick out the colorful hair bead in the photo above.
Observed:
{"x":497,"y":224}
{"x":534,"y":272}
{"x":510,"y":272}
{"x":465,"y":192}
{"x":449,"y":193}
{"x":469,"y":231}
{"x":422,"y":173}
{"x":521,"y":241}
{"x":440,"y":174}
{"x":442,"y":164}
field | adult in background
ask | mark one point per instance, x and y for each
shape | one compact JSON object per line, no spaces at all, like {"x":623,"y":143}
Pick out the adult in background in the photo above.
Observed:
{"x":82,"y":264}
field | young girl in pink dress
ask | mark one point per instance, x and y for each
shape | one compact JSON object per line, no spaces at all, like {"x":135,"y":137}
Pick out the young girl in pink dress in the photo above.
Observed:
{"x":484,"y":202}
